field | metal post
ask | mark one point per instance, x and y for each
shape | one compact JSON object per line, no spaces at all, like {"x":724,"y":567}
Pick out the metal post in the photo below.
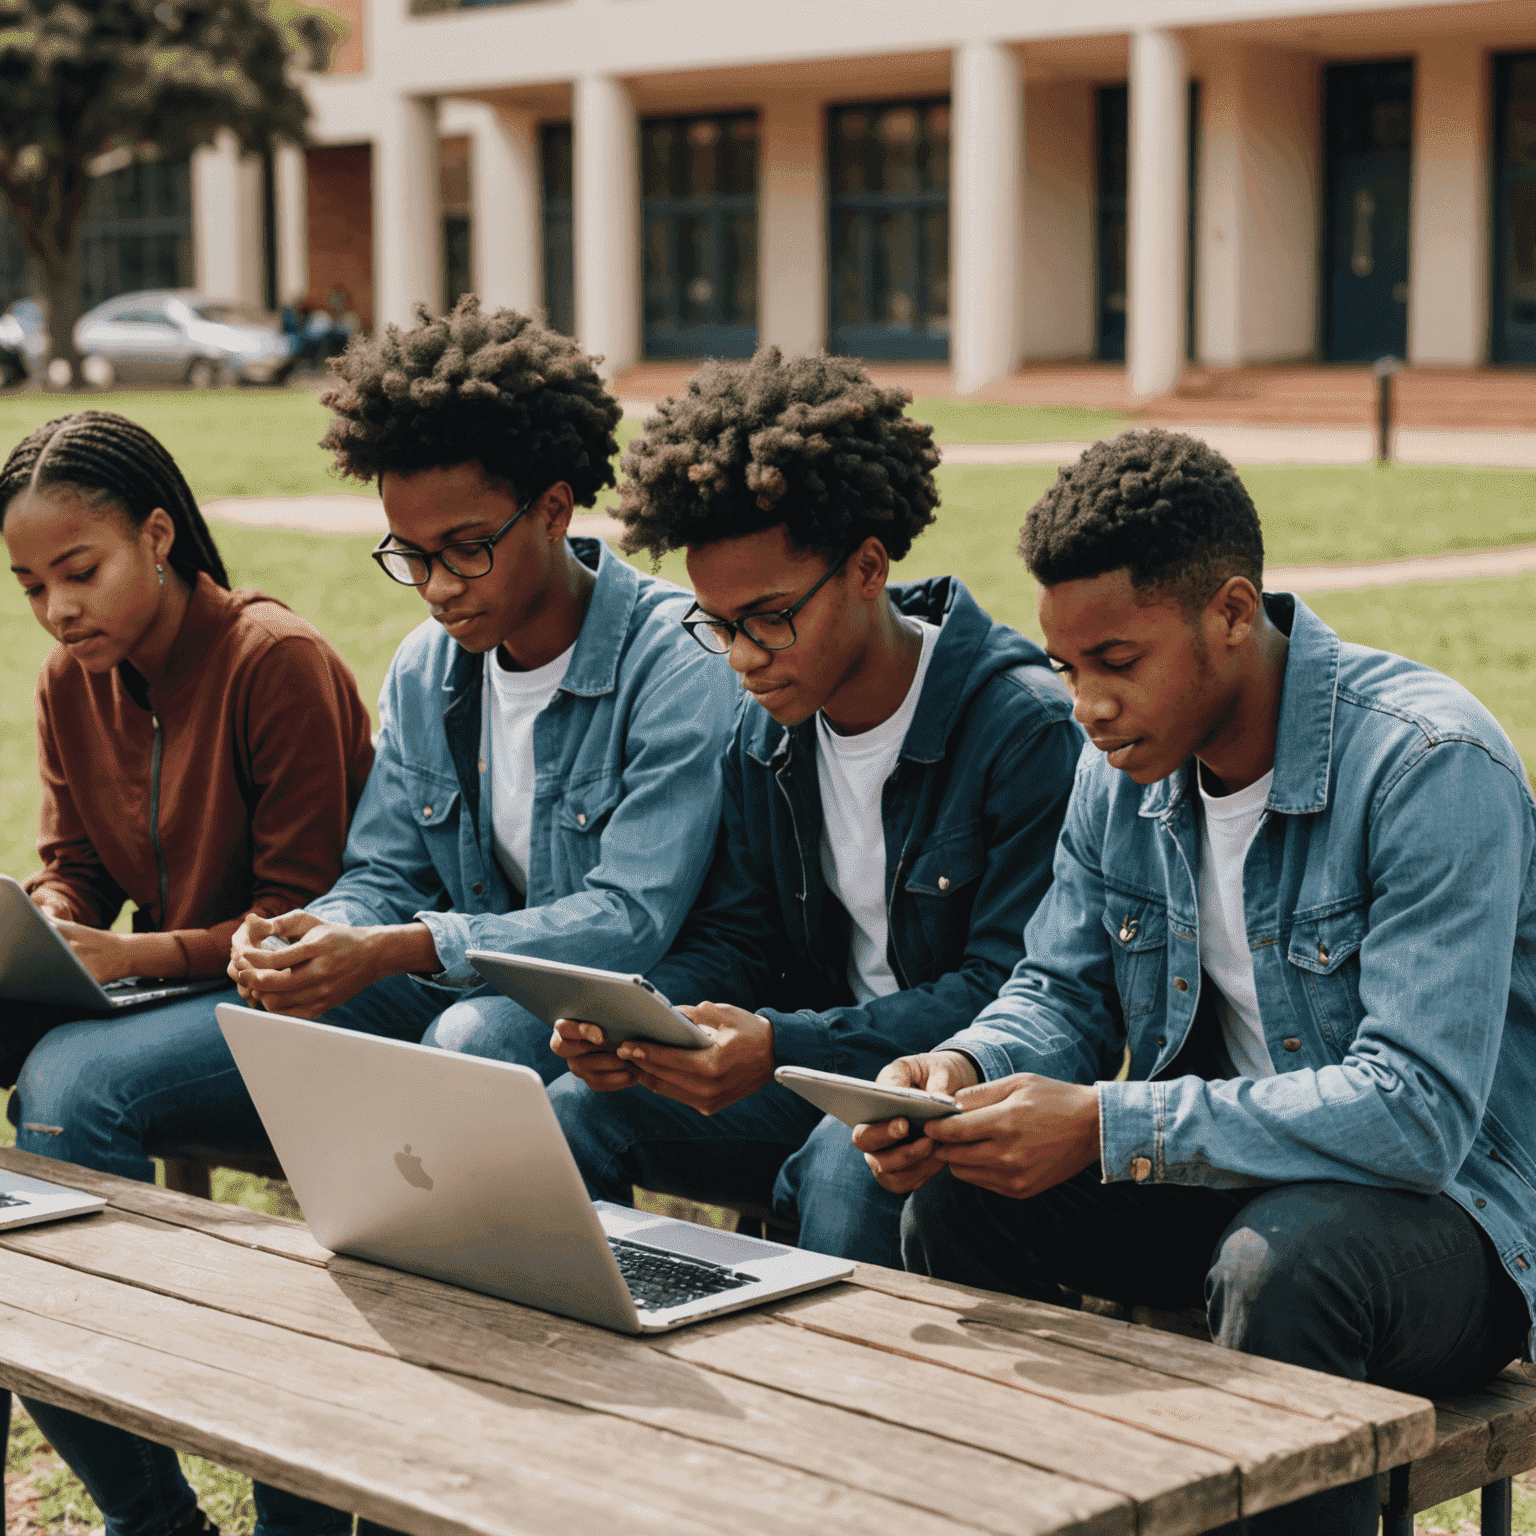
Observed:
{"x":1384,"y":368}
{"x":1498,"y":1508}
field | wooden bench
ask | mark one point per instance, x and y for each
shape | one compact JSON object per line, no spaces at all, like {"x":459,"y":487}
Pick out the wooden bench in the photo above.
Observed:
{"x":1482,"y":1438}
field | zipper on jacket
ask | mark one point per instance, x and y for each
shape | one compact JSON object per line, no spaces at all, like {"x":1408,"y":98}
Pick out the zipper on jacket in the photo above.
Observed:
{"x":794,"y":826}
{"x":154,"y":816}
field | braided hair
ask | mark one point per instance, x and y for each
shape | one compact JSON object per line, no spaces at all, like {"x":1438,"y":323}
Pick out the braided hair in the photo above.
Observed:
{"x":114,"y":462}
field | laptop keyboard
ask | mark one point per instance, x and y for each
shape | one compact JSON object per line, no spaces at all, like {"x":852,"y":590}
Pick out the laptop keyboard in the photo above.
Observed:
{"x":659,"y":1280}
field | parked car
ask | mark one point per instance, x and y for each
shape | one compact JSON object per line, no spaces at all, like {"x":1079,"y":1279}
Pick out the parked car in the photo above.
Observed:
{"x":23,"y":341}
{"x":168,"y":336}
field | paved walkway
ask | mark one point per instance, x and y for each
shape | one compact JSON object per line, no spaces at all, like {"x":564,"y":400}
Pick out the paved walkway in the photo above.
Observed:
{"x":365,"y":514}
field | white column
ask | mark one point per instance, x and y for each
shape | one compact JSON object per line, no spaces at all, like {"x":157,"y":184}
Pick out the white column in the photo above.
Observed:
{"x":292,"y":200}
{"x":792,"y":226}
{"x":1448,"y":267}
{"x":1219,"y":299}
{"x":1059,"y":307}
{"x":1159,"y":167}
{"x":607,"y":218}
{"x":407,"y":220}
{"x":508,"y":227}
{"x":986,"y":213}
{"x":226,"y":221}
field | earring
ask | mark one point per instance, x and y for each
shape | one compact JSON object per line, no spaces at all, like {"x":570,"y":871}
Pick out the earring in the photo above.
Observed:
{"x":160,"y":572}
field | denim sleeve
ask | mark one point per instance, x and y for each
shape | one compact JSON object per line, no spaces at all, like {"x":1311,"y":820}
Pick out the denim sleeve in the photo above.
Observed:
{"x":386,"y":869}
{"x":733,"y":944}
{"x":654,"y":851}
{"x":1058,"y":1014}
{"x":1026,"y":799}
{"x":1449,"y":845}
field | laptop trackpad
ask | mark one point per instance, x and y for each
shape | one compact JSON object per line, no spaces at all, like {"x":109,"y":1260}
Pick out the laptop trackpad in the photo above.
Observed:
{"x":707,"y":1243}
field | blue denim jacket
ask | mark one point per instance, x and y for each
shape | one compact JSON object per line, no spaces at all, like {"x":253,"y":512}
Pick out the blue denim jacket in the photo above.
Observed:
{"x":1390,"y":897}
{"x":971,"y":815}
{"x":626,"y":798}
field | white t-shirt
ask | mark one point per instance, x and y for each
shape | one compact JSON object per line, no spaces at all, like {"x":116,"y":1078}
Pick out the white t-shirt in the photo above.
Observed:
{"x":1227,"y":830}
{"x":853,"y":771}
{"x":513,"y":701}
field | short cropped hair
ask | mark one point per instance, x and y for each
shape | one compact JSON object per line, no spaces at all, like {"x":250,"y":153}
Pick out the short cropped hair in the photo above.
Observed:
{"x":807,"y":443}
{"x":1162,"y":505}
{"x":496,"y":388}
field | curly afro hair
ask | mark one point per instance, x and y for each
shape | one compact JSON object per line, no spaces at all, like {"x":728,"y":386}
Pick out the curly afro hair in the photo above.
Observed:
{"x":810,"y":444}
{"x":521,"y":400}
{"x":1164,"y":506}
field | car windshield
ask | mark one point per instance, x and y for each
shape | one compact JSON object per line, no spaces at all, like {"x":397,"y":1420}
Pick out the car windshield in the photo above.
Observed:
{"x":237,"y":314}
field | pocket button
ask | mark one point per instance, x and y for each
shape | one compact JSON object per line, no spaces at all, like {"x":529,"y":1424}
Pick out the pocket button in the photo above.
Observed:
{"x":581,"y":818}
{"x":426,"y":811}
{"x":1322,"y":953}
{"x":1141,"y":1169}
{"x":1128,"y":930}
{"x":943,"y":882}
{"x":1180,"y":985}
{"x":1291,"y":1043}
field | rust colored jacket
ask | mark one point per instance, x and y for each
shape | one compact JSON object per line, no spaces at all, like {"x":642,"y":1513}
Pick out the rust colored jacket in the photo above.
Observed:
{"x":224,"y":788}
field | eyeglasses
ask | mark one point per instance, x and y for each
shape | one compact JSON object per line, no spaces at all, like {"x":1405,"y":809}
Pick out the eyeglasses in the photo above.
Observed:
{"x":768,"y":631}
{"x":413,"y":567}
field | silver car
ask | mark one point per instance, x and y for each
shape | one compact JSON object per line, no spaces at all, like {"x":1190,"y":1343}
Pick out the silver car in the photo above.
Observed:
{"x":176,"y":335}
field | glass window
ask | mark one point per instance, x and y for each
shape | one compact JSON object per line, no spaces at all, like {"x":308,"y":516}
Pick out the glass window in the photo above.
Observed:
{"x":1514,"y":254}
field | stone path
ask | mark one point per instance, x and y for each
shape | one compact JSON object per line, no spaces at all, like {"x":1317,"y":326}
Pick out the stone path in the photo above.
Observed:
{"x":364,"y":514}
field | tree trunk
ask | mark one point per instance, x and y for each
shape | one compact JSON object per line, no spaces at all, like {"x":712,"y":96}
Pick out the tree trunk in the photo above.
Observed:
{"x":48,"y":213}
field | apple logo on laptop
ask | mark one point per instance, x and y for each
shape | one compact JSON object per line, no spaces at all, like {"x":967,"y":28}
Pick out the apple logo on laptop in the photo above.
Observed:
{"x":411,"y":1170}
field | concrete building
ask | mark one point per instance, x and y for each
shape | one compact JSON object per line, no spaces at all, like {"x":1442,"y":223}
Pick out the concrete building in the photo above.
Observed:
{"x":987,"y":182}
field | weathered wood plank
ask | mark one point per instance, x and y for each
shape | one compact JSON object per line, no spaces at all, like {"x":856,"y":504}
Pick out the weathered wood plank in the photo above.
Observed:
{"x":1404,"y":1425}
{"x":424,"y":1322}
{"x":1178,"y":1488}
{"x":229,"y":1223}
{"x":422,"y":1451}
{"x":1483,"y":1437}
{"x":1282,"y":1455}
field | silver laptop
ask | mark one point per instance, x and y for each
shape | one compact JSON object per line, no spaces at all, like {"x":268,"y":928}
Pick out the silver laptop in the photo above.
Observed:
{"x":455,"y":1167}
{"x":38,"y":966}
{"x":25,"y":1202}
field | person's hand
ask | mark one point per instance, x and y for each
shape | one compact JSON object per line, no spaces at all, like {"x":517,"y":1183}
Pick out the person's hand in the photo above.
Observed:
{"x":326,"y":965}
{"x":1020,"y":1135}
{"x":54,"y":908}
{"x":738,"y":1061}
{"x":900,"y":1165}
{"x":104,"y":954}
{"x":585,"y":1050}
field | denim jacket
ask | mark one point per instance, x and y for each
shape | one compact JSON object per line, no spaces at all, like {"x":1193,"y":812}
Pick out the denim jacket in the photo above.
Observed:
{"x":971,"y":813}
{"x":1390,"y":899}
{"x":626,"y":797}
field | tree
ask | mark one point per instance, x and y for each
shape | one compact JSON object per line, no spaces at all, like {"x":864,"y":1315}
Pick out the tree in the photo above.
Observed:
{"x":144,"y":79}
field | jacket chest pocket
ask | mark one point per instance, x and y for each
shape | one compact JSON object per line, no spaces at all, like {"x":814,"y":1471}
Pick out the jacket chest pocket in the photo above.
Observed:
{"x":1324,"y":955}
{"x":433,"y":806}
{"x":942,"y":881}
{"x":1138,"y":944}
{"x":585,"y":808}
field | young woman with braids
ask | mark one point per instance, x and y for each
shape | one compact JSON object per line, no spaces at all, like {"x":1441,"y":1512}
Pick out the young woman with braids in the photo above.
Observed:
{"x":201,"y":752}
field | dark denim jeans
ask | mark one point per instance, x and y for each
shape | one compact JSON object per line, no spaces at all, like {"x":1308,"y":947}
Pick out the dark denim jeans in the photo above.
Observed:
{"x":1377,"y":1285}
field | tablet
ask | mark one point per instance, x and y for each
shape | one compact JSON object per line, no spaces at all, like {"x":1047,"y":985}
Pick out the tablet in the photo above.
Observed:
{"x":624,"y":1007}
{"x":857,"y":1101}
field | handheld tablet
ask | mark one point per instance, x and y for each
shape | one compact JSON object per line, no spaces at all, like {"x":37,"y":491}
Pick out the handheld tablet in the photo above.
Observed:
{"x":856,"y":1101}
{"x":624,"y":1007}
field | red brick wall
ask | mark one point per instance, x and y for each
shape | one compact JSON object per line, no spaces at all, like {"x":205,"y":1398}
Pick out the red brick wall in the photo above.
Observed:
{"x":340,"y":185}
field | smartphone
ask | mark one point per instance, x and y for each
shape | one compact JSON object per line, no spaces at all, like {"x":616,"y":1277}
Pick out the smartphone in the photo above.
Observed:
{"x":857,"y":1101}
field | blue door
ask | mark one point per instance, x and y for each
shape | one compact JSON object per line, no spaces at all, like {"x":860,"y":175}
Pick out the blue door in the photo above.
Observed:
{"x":555,"y":147}
{"x":1514,"y":219}
{"x":1368,"y":138}
{"x":699,"y":179}
{"x":889,"y":230}
{"x":1112,"y":152}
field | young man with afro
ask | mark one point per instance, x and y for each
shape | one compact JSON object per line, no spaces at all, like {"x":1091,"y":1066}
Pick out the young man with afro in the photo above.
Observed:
{"x":1296,"y":880}
{"x":547,"y":775}
{"x":892,"y":797}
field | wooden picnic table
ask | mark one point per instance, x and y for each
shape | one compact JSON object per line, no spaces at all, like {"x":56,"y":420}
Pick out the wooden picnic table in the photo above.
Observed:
{"x":890,"y":1403}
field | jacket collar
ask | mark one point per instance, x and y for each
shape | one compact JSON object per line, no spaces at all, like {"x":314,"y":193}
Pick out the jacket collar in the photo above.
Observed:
{"x":209,"y":610}
{"x":594,"y":667}
{"x":1304,"y":737}
{"x":950,"y":681}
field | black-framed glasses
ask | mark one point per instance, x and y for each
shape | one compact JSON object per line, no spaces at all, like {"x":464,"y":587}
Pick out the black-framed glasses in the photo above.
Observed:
{"x":773,"y":631}
{"x":413,"y":567}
